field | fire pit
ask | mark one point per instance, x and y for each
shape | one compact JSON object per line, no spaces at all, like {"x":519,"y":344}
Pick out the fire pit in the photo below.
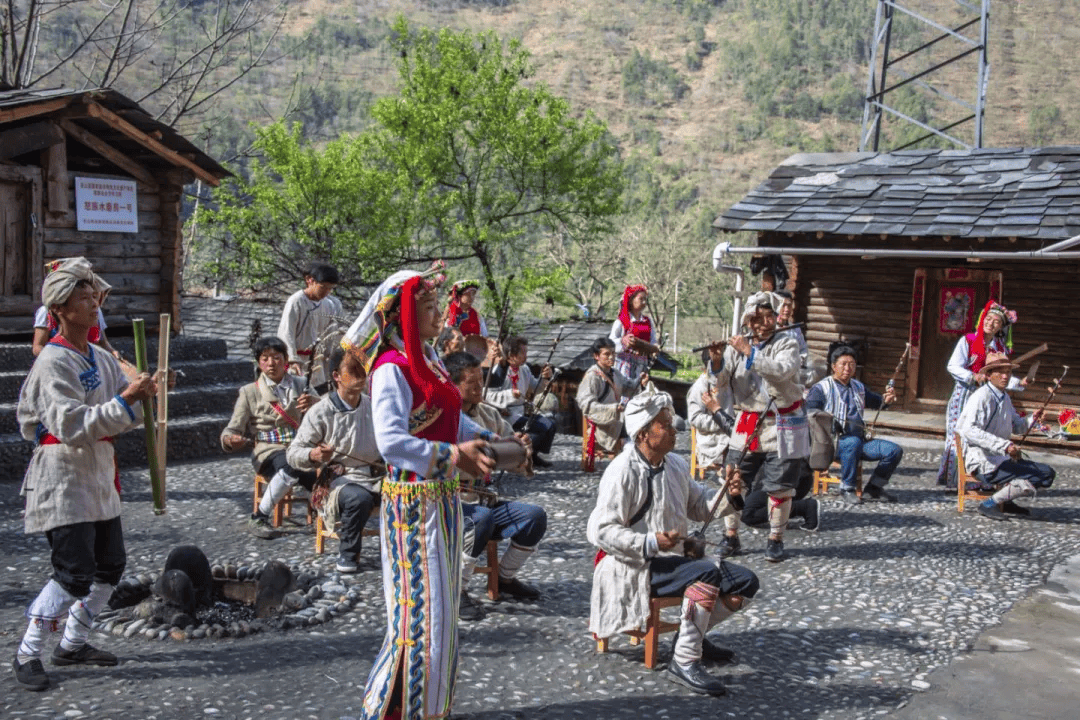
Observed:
{"x":192,"y":600}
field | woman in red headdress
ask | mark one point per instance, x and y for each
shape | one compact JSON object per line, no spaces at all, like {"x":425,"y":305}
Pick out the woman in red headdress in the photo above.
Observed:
{"x":993,"y":334}
{"x":461,"y":314}
{"x":634,"y":333}
{"x":424,"y":438}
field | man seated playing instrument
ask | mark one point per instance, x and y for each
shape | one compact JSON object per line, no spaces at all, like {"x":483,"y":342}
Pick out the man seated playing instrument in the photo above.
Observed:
{"x":338,"y":435}
{"x":986,"y":423}
{"x":513,"y":387}
{"x":845,"y":398}
{"x":641,"y":519}
{"x":487,"y":517}
{"x":266,"y":416}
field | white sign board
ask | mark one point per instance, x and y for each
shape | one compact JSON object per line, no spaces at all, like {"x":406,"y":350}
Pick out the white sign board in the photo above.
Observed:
{"x":106,"y":205}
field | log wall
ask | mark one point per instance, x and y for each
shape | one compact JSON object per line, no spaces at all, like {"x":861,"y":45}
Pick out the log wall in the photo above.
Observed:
{"x":142,"y":267}
{"x":870,"y":299}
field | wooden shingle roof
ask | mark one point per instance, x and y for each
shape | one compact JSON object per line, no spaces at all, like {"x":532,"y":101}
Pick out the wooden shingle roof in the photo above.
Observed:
{"x":988,"y":192}
{"x":575,"y":348}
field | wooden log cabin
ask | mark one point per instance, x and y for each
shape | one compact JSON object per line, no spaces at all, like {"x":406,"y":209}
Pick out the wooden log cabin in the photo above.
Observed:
{"x":889,"y":248}
{"x":48,"y":139}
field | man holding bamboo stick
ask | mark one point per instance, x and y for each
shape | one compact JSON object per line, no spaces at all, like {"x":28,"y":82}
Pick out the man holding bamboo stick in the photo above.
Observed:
{"x":74,"y":401}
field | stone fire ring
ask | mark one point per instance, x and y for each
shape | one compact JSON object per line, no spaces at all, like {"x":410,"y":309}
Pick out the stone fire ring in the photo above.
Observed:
{"x":317,"y":598}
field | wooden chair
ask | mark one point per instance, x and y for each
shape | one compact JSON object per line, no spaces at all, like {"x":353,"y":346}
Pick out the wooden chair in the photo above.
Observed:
{"x":322,"y":533}
{"x":284,"y":507}
{"x":823,"y":479}
{"x":654,"y":628}
{"x":963,"y":479}
{"x":696,"y":471}
{"x":600,"y":453}
{"x":491,"y":570}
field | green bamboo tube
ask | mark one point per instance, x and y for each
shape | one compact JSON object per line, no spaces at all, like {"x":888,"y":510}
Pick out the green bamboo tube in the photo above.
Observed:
{"x":157,"y":488}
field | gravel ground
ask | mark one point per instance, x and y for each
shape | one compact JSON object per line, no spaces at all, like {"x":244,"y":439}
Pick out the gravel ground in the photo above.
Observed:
{"x":848,"y":627}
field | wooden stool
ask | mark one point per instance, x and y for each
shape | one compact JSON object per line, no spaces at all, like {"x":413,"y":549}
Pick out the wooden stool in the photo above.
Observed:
{"x":284,"y":506}
{"x":599,"y":453}
{"x":654,"y":628}
{"x":491,"y":570}
{"x":963,"y":478}
{"x":322,"y":533}
{"x":824,"y":478}
{"x":696,"y":471}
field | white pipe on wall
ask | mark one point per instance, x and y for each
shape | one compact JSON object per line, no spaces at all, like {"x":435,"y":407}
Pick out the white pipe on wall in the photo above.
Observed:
{"x":872,"y":253}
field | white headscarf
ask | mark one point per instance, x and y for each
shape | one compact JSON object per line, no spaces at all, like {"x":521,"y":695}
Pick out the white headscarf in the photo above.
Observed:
{"x":762,"y":299}
{"x":62,"y":276}
{"x":643,"y":409}
{"x":379,"y":313}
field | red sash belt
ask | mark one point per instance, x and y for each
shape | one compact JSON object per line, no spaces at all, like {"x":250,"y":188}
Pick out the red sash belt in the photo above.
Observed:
{"x":749,"y":420}
{"x":49,"y":439}
{"x":305,"y":353}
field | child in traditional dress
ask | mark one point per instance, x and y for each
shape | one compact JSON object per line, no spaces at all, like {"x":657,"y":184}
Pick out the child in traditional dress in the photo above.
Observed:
{"x":339,"y":433}
{"x":424,"y":439}
{"x":74,"y":401}
{"x":306,"y":316}
{"x":266,"y":416}
{"x":602,"y":395}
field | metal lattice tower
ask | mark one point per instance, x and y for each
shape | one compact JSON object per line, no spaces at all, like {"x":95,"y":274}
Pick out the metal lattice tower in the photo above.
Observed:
{"x":883,"y":64}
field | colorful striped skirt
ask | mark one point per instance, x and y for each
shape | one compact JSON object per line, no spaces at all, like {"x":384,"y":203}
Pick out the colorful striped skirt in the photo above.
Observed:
{"x":421,"y":562}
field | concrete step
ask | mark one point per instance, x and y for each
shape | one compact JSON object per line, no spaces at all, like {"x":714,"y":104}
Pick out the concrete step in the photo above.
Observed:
{"x":195,"y":373}
{"x":190,"y":438}
{"x":183,"y":402}
{"x":20,"y":355}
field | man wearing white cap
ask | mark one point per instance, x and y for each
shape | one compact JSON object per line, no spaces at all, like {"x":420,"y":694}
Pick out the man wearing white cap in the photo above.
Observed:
{"x":645,"y":502}
{"x":771,"y":437}
{"x":987,"y":421}
{"x":74,"y":401}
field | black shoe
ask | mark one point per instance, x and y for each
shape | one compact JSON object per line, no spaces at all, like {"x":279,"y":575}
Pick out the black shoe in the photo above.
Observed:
{"x":850,"y":497}
{"x":716,"y":653}
{"x":347,"y":563}
{"x":259,"y":526}
{"x":729,"y":546}
{"x":774,"y":550}
{"x":85,"y":655}
{"x":992,"y":511}
{"x":470,"y":610}
{"x":694,"y":677}
{"x":31,"y":675}
{"x":541,"y":462}
{"x":877,"y":492}
{"x":1013,"y":509}
{"x":518,"y":589}
{"x":812,"y":516}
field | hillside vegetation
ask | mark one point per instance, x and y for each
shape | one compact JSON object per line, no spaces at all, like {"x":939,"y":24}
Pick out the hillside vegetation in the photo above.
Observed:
{"x":704,"y":97}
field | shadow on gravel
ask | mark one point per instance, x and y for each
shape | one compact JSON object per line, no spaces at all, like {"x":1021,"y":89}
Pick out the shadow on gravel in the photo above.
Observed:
{"x":835,"y":519}
{"x":790,"y":683}
{"x":879,"y":550}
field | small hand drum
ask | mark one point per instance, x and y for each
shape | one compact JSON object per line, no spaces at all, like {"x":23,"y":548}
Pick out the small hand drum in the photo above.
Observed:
{"x":507,"y":454}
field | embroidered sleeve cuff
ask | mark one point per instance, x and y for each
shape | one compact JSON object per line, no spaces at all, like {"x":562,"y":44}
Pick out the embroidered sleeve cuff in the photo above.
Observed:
{"x":124,"y":404}
{"x":487,"y":435}
{"x":444,"y":458}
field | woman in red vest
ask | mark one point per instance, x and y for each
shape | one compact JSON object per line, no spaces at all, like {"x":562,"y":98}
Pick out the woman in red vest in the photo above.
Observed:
{"x":424,"y":438}
{"x":460,"y":312}
{"x":634,"y":334}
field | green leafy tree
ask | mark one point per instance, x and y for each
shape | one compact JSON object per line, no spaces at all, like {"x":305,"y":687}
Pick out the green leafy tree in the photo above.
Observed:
{"x":488,"y":163}
{"x":301,"y":204}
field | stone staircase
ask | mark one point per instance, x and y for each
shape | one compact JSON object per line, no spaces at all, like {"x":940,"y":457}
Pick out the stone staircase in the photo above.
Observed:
{"x":199,"y":407}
